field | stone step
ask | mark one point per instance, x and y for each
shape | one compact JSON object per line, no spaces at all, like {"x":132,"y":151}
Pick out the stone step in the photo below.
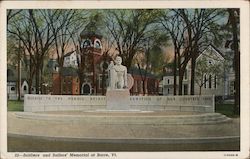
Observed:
{"x":207,"y":118}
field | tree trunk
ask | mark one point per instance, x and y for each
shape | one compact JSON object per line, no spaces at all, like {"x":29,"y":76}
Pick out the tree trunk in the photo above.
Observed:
{"x":37,"y":78}
{"x":200,"y":90}
{"x":233,"y":22}
{"x":180,"y":81}
{"x":103,"y":73}
{"x":180,"y":74}
{"x":143,"y":87}
{"x":41,"y":80}
{"x":30,"y":81}
{"x":19,"y":72}
{"x":175,"y":72}
{"x":193,"y":60}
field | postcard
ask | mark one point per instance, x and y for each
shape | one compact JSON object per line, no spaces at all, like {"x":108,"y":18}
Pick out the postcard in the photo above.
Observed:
{"x":124,"y":79}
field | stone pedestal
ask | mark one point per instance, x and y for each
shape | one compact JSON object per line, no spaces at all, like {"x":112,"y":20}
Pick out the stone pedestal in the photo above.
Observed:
{"x":118,"y":99}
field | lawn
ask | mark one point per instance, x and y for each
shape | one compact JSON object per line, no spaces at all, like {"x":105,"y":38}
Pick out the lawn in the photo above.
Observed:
{"x":226,"y":109}
{"x":15,"y":105}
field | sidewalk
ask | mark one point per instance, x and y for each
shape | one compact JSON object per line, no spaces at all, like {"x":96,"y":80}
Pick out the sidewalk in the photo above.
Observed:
{"x":49,"y":135}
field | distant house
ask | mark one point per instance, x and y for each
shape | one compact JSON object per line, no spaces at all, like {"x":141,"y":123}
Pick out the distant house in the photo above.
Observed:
{"x":168,"y":83}
{"x":71,"y":59}
{"x":151,"y":82}
{"x":12,"y":84}
{"x":213,"y":85}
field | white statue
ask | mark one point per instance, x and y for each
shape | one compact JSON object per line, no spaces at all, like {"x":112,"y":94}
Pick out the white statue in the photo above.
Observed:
{"x":117,"y":74}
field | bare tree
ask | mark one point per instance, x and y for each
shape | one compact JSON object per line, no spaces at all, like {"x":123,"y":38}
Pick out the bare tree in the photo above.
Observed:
{"x":129,"y":29}
{"x":175,"y":27}
{"x":35,"y":34}
{"x":191,"y":31}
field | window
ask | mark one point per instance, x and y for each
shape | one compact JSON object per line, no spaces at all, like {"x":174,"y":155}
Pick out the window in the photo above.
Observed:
{"x":185,"y":89}
{"x":24,"y":88}
{"x":168,"y":81}
{"x":185,"y":74}
{"x":97,"y":44}
{"x":205,"y":81}
{"x":215,"y":82}
{"x":13,"y":88}
{"x":86,"y":43}
{"x":210,"y":81}
{"x":232,"y":88}
{"x":168,"y":90}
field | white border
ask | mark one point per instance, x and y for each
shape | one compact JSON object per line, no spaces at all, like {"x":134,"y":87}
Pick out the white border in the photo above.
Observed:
{"x":245,"y":85}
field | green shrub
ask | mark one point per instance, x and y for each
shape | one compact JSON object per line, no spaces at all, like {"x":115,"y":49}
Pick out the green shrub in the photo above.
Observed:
{"x":226,"y":109}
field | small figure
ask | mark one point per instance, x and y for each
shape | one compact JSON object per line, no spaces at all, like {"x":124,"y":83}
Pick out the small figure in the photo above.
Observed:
{"x":111,"y":78}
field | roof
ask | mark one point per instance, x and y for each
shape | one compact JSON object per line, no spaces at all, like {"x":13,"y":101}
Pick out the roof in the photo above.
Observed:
{"x":136,"y":71}
{"x":69,"y":71}
{"x":216,"y":49}
{"x":52,"y":63}
{"x":169,"y":73}
{"x":91,"y":30}
{"x":12,"y":75}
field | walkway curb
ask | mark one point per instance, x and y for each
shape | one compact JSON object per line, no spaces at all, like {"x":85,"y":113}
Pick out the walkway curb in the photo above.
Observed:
{"x":224,"y":139}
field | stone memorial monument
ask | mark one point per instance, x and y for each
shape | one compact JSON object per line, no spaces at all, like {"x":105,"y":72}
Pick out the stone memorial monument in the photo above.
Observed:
{"x":117,"y":91}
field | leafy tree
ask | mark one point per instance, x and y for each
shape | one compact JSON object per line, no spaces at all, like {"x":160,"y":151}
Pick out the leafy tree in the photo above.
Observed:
{"x":151,"y":58}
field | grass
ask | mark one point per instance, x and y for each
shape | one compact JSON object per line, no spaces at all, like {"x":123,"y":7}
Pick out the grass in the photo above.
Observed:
{"x":15,"y":105}
{"x":226,"y":109}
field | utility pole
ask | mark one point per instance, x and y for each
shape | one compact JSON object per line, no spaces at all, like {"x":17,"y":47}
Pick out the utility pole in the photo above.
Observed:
{"x":19,"y":71}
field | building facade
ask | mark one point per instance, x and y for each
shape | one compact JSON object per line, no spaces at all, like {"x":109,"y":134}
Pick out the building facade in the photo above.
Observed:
{"x":144,"y":83}
{"x":85,"y":71}
{"x":218,"y":84}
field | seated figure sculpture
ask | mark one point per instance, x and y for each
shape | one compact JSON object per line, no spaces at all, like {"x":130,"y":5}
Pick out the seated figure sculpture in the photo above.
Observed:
{"x":117,"y":74}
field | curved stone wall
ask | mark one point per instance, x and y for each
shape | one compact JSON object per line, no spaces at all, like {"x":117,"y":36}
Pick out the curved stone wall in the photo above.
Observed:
{"x":36,"y":103}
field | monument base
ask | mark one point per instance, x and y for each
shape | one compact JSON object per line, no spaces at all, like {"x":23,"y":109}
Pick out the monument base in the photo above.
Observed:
{"x":118,"y":99}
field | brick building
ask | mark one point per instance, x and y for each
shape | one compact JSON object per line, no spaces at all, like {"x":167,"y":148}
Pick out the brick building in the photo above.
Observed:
{"x":85,"y":71}
{"x":151,"y":82}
